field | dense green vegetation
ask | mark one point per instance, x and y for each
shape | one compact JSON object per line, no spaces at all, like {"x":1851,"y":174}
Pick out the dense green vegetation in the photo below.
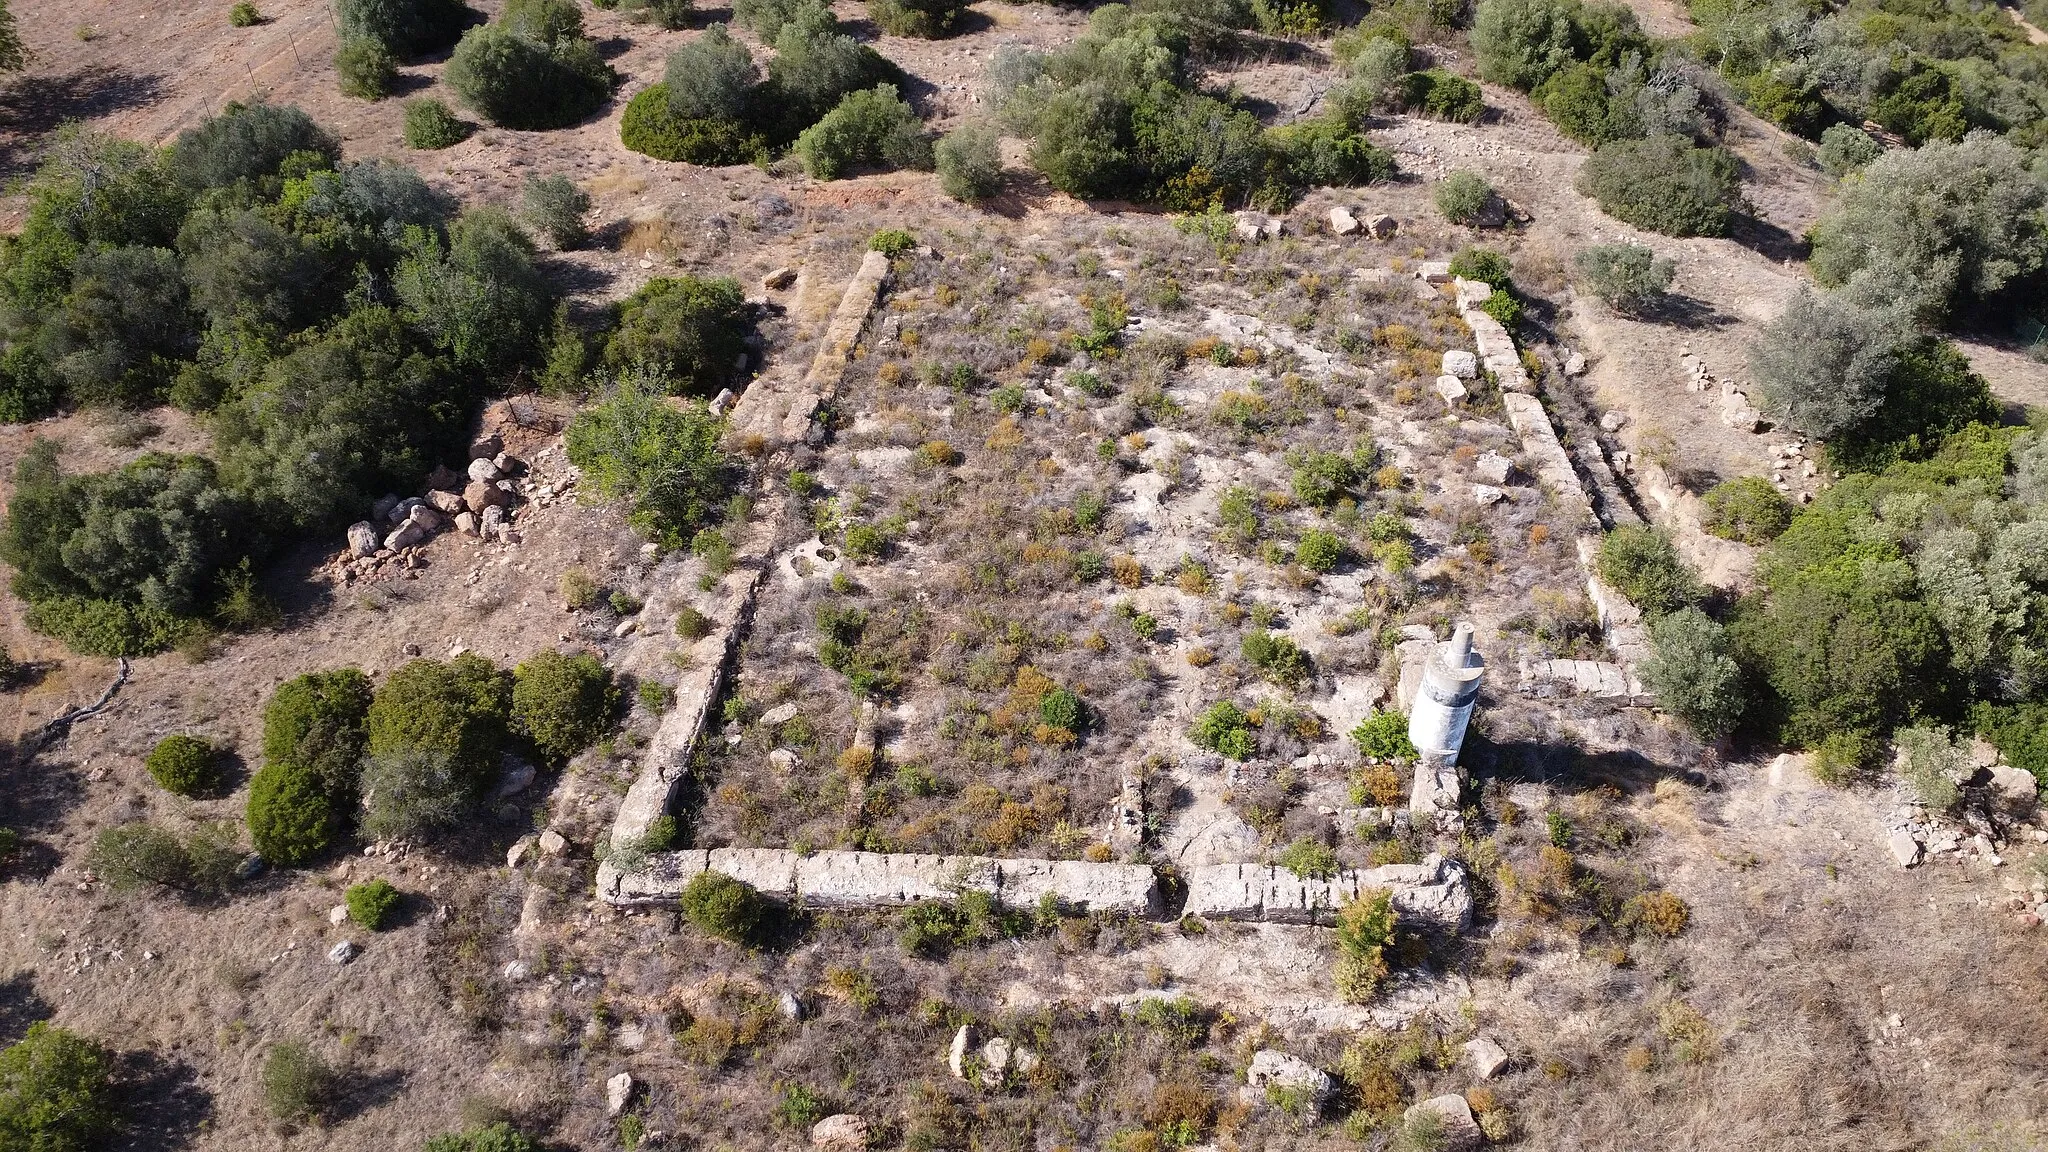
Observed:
{"x":665,"y":460}
{"x":56,"y":1093}
{"x":532,"y":67}
{"x":224,"y":274}
{"x":562,"y":703}
{"x":184,"y":765}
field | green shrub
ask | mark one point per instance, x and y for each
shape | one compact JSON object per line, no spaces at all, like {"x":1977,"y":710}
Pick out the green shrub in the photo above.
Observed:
{"x":867,"y":128}
{"x":1629,"y":278}
{"x":296,"y":1083}
{"x":1462,"y":196}
{"x":429,"y":125}
{"x":655,"y":696}
{"x":555,"y":207}
{"x":367,"y":69}
{"x":1482,"y":264}
{"x":933,"y":928}
{"x":459,"y":709}
{"x":497,"y":1137}
{"x":1384,"y":736}
{"x":722,"y":906}
{"x":316,"y":721}
{"x":1664,"y":184}
{"x":129,"y":856}
{"x":1324,"y":153}
{"x":2019,"y":732}
{"x":481,"y":298}
{"x":185,"y":765}
{"x":651,"y":128}
{"x":1309,"y":858}
{"x":1844,"y":148}
{"x":248,"y":142}
{"x":518,"y":82}
{"x":371,"y":904}
{"x":56,"y":1093}
{"x":682,"y":328}
{"x":1223,"y":728}
{"x":562,"y":703}
{"x":970,"y":163}
{"x":925,"y":19}
{"x":816,"y":65}
{"x":105,"y":627}
{"x":413,"y":794}
{"x":765,"y":18}
{"x":1061,"y":708}
{"x":1319,"y":551}
{"x":1746,"y":508}
{"x":1180,"y":1018}
{"x":1441,"y":96}
{"x":666,"y":460}
{"x":1693,"y":672}
{"x":1521,"y":43}
{"x":244,"y":15}
{"x":407,"y":27}
{"x":291,"y":817}
{"x":669,"y":14}
{"x":1642,"y":564}
{"x":1365,"y":926}
{"x":891,"y":242}
{"x":1279,"y":658}
{"x":1931,"y":763}
{"x":710,"y":78}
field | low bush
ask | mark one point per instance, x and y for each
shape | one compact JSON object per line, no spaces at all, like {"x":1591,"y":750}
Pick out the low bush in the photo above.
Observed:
{"x":970,"y":163}
{"x":867,"y":128}
{"x":1747,"y":508}
{"x":1665,"y":184}
{"x":1844,"y":148}
{"x":722,"y":906}
{"x":1280,"y":659}
{"x":555,"y":208}
{"x":891,"y":242}
{"x":684,"y":329}
{"x":651,"y":128}
{"x":1931,"y":762}
{"x":665,"y":460}
{"x":291,"y":817}
{"x":244,"y":15}
{"x":1225,"y":729}
{"x":429,"y":125}
{"x":1365,"y":927}
{"x":185,"y":765}
{"x":518,"y":82}
{"x":1384,"y":736}
{"x":1643,"y":565}
{"x":669,"y":14}
{"x":562,"y":703}
{"x":1309,"y":858}
{"x":496,"y":1137}
{"x":371,"y":904}
{"x":407,"y":27}
{"x":1319,"y":551}
{"x":1462,"y":196}
{"x":1484,"y":265}
{"x":1659,"y":912}
{"x":296,"y":1083}
{"x":925,"y":19}
{"x":57,"y":1093}
{"x":1693,"y":671}
{"x":129,"y":856}
{"x":459,"y":709}
{"x":1629,"y":278}
{"x":933,"y":928}
{"x":367,"y":69}
{"x":412,"y":795}
{"x":1441,"y":96}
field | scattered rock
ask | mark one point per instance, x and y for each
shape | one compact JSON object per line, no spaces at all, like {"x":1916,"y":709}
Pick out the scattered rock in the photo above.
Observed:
{"x":789,"y":1006}
{"x":251,"y":866}
{"x":722,"y":403}
{"x":1575,"y":364}
{"x":362,"y":539}
{"x":1486,"y":495}
{"x":779,"y":279}
{"x":481,"y":468}
{"x":444,"y":478}
{"x":1381,"y":226}
{"x":1271,"y":1069}
{"x":1462,"y":364}
{"x":553,"y":843}
{"x":618,"y":1092}
{"x":465,"y":523}
{"x":441,"y":500}
{"x":343,"y":952}
{"x":520,"y":849}
{"x":338,"y":915}
{"x":428,"y":517}
{"x":485,"y":447}
{"x":2015,"y":787}
{"x":956,"y":1056}
{"x":845,"y":1132}
{"x":1252,"y":227}
{"x":632,"y":1037}
{"x":1493,"y":468}
{"x":1905,"y":849}
{"x":407,"y":535}
{"x":518,"y":970}
{"x":1451,"y":389}
{"x":1460,"y":1131}
{"x":1486,"y":1057}
{"x":381,"y":510}
{"x":779,"y":715}
{"x":1342,"y":222}
{"x":782,"y":759}
{"x":518,"y":777}
{"x":995,"y":1061}
{"x":482,"y":494}
{"x":1613,"y":421}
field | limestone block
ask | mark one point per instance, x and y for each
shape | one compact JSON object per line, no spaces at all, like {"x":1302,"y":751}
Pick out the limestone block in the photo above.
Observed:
{"x":1454,"y":1116}
{"x":1462,"y":364}
{"x":1342,"y":222}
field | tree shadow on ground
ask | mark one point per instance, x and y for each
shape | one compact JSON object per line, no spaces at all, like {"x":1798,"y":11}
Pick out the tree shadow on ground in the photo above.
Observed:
{"x":1765,"y":238}
{"x":1681,"y":311}
{"x":165,"y":1106}
{"x":35,"y":791}
{"x":35,"y":105}
{"x":356,"y":1094}
{"x":20,"y":1006}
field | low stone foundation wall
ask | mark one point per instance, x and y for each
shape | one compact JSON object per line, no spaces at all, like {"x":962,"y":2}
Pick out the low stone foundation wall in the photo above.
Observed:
{"x":878,"y":880}
{"x":1433,"y":893}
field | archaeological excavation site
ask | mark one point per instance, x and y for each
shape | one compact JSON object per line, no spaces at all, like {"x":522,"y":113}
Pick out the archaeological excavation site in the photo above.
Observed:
{"x":1146,"y":576}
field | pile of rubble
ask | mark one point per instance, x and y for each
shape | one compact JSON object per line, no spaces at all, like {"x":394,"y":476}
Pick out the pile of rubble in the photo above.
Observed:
{"x":480,"y":502}
{"x":1998,"y":801}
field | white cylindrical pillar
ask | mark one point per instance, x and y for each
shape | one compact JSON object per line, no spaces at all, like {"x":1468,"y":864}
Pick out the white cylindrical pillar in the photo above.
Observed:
{"x":1445,"y":698}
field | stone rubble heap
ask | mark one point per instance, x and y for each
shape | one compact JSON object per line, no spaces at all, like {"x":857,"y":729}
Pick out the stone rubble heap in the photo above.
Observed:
{"x":1999,"y":801}
{"x":1739,"y":413}
{"x":480,"y":502}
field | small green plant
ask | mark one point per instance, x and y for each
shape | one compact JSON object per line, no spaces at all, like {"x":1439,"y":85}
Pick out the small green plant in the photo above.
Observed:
{"x":1628,"y":277}
{"x":578,"y":589}
{"x":1319,"y":551}
{"x":1309,"y":858}
{"x":56,"y":1093}
{"x":244,"y":15}
{"x":367,"y":69}
{"x":655,"y":696}
{"x":296,"y":1083}
{"x":430,"y":126}
{"x":891,"y":242}
{"x":555,"y":206}
{"x":1462,"y":196}
{"x":185,"y":765}
{"x":1557,"y":829}
{"x":1279,"y":658}
{"x":692,"y":624}
{"x":372,"y":904}
{"x":1180,"y":1018}
{"x":722,"y":906}
{"x":1746,"y":508}
{"x":1365,"y":927}
{"x":1225,"y":729}
{"x":1384,"y":736}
